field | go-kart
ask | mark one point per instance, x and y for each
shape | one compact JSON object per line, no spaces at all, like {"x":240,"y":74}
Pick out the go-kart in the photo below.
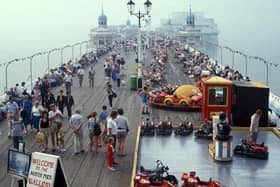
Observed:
{"x":155,"y":177}
{"x":147,"y":128}
{"x":190,"y":180}
{"x":164,"y":128}
{"x":201,"y":133}
{"x":184,"y":129}
{"x":157,"y":97}
{"x":251,"y":149}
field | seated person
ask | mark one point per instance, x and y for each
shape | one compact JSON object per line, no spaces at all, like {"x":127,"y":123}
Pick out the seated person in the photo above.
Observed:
{"x":147,"y":123}
{"x":207,"y":126}
{"x":223,"y":128}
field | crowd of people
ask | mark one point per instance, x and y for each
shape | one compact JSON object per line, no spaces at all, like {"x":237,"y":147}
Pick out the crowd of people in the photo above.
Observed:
{"x":197,"y":63}
{"x":156,"y":71}
{"x":41,"y":112}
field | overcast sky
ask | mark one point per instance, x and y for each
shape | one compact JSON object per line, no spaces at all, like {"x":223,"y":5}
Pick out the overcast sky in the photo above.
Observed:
{"x":28,"y":26}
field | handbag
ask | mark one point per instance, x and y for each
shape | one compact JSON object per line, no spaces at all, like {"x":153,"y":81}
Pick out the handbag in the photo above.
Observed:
{"x":114,"y":94}
{"x":96,"y":130}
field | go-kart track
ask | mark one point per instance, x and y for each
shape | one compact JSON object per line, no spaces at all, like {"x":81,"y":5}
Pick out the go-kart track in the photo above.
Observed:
{"x":184,"y":154}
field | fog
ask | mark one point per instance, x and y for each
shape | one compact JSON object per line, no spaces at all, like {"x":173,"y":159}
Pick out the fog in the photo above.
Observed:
{"x":251,"y":26}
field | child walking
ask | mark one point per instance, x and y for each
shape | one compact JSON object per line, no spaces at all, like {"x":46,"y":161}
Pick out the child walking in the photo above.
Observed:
{"x":110,"y":154}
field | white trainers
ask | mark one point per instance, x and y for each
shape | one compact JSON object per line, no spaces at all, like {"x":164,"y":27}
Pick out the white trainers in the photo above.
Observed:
{"x":112,"y":168}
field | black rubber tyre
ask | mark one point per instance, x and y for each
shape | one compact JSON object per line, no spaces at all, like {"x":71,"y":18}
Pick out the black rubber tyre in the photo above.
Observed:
{"x":168,"y":103}
{"x":183,"y":103}
{"x":172,"y":179}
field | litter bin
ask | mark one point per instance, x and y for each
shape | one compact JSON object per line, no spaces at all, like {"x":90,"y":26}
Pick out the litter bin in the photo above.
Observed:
{"x":133,"y":82}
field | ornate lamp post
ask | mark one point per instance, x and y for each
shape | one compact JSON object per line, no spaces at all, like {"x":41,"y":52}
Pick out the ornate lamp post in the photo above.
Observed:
{"x":139,"y":15}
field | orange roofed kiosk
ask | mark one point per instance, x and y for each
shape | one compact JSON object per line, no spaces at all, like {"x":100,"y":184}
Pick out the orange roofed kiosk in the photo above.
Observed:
{"x":217,"y":93}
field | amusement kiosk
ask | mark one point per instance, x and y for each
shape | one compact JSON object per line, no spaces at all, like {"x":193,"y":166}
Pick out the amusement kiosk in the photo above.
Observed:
{"x":217,"y":98}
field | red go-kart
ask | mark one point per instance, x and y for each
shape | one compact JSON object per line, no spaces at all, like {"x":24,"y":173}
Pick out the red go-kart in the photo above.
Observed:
{"x":190,"y":180}
{"x":251,"y":149}
{"x":142,"y":180}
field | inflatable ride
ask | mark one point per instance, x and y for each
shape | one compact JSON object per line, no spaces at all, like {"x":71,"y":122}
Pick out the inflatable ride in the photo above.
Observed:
{"x":184,"y":97}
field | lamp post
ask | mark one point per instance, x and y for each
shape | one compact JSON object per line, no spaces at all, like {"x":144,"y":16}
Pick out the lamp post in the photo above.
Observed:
{"x":246,"y":60}
{"x":221,"y":50}
{"x":72,"y":46}
{"x":30,"y":66}
{"x":233,"y":53}
{"x":139,"y":15}
{"x":81,"y":43}
{"x":48,"y":57}
{"x":6,"y":71}
{"x":266,"y":64}
{"x":61,"y":52}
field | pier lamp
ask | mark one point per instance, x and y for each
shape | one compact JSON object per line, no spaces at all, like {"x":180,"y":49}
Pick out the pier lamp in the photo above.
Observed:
{"x":48,"y":57}
{"x":73,"y":46}
{"x":61,"y":52}
{"x":30,"y":66}
{"x":139,"y":15}
{"x":6,"y":71}
{"x":81,"y":43}
{"x":266,"y":64}
{"x":246,"y":60}
{"x":233,"y":53}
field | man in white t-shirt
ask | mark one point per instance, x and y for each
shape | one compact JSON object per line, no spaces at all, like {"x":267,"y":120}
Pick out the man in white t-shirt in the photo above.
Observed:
{"x":254,"y":126}
{"x":81,"y":73}
{"x":68,"y":82}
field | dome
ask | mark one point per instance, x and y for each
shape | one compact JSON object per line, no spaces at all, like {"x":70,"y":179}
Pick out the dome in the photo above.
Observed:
{"x":102,"y":19}
{"x":190,"y":18}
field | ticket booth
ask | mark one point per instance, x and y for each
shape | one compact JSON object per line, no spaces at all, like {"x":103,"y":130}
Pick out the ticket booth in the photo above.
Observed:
{"x":217,"y":93}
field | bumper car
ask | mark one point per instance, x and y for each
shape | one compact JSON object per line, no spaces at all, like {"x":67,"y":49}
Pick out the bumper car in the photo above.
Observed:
{"x":147,"y":128}
{"x":190,"y":180}
{"x":185,"y":128}
{"x":203,"y":134}
{"x":251,"y":149}
{"x":158,"y":176}
{"x":157,"y":97}
{"x":164,"y":128}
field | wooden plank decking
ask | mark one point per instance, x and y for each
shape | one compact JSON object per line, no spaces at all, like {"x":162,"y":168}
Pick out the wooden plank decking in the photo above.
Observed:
{"x":90,"y":169}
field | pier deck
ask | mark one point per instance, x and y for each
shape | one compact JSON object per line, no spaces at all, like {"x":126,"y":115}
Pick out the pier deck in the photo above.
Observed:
{"x":88,"y":169}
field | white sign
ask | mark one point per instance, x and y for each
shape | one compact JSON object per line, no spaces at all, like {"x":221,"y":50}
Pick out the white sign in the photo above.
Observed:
{"x":42,"y":170}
